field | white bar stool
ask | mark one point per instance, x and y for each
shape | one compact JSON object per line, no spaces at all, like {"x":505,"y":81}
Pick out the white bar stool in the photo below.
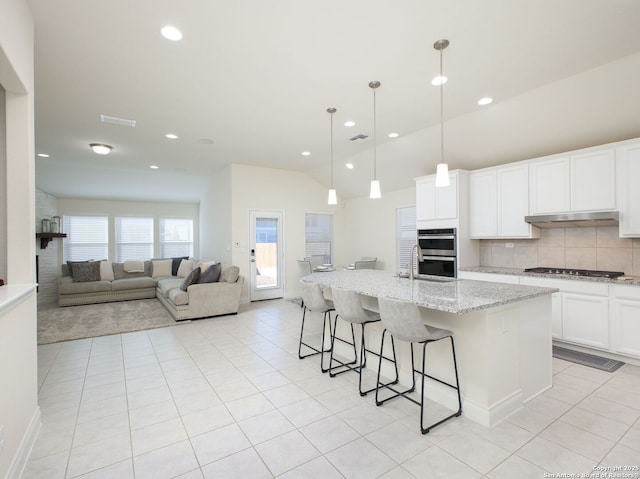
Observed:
{"x":314,"y":300}
{"x":349,"y":308}
{"x":402,"y":320}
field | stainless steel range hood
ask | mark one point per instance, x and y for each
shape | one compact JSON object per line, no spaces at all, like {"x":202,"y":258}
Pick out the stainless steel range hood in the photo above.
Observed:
{"x":574,"y":220}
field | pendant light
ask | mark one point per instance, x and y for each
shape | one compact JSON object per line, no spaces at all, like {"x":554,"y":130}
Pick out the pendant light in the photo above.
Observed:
{"x":374,"y":192}
{"x":333,"y":200}
{"x":442,"y":170}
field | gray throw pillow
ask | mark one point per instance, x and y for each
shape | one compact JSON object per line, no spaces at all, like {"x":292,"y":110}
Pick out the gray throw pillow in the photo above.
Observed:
{"x":192,"y":278}
{"x":211,"y":274}
{"x":83,"y":272}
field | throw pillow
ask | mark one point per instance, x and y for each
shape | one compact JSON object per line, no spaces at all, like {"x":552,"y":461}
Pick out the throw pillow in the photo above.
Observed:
{"x":230,"y":274}
{"x":204,"y":265}
{"x":132,"y":266}
{"x":186,"y":265}
{"x":192,"y":278}
{"x":175,"y":265}
{"x":83,"y":272}
{"x":211,"y":275}
{"x":161,"y":267}
{"x":106,"y":271}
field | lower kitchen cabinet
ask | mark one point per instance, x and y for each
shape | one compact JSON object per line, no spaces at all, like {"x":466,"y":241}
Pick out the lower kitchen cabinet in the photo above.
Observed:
{"x":556,"y":301}
{"x":585,"y":319}
{"x":626,"y":311}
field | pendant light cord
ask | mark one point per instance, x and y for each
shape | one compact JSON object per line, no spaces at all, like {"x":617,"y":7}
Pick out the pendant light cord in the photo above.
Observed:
{"x":331,"y":150}
{"x":374,"y":135}
{"x":441,"y":111}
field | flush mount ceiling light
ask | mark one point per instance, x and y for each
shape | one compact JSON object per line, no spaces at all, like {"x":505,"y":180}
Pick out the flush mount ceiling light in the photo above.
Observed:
{"x":171,"y":33}
{"x":442,"y":170}
{"x":374,"y":191}
{"x":332,"y":200}
{"x":485,"y":101}
{"x":171,"y":136}
{"x":100,"y":148}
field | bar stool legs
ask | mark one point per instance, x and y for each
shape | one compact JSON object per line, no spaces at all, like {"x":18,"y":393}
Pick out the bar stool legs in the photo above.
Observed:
{"x":424,"y":429}
{"x":326,"y":322}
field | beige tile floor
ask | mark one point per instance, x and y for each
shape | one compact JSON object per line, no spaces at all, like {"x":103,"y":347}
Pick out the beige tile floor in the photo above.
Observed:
{"x":228,"y":398}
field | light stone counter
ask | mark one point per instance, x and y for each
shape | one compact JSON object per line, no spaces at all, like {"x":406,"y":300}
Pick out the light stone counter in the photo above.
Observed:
{"x":502,"y":334}
{"x":457,"y":296}
{"x":622,"y":281}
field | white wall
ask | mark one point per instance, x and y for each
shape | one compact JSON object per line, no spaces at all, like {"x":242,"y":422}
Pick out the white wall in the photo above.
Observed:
{"x":295,"y":194}
{"x":3,"y":187}
{"x":370,"y":226}
{"x":215,"y":218}
{"x":113,"y":208}
{"x":19,"y":412}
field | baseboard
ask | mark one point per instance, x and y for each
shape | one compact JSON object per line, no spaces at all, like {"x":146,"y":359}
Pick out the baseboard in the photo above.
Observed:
{"x":492,"y":415}
{"x":26,"y":446}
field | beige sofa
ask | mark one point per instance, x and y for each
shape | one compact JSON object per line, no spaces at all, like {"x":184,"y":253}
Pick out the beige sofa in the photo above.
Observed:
{"x":199,"y":301}
{"x":202,"y":300}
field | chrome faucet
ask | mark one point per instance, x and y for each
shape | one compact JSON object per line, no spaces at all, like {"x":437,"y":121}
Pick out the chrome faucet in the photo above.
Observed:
{"x":419,"y":250}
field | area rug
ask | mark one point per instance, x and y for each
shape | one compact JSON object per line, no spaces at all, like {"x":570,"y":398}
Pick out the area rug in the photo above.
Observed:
{"x":57,"y":324}
{"x":597,"y":362}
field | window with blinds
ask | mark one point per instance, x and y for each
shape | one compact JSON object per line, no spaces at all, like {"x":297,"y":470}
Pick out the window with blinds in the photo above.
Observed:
{"x":319,"y":236}
{"x":134,"y":238}
{"x":87,"y":238}
{"x":176,"y":237}
{"x":405,"y":236}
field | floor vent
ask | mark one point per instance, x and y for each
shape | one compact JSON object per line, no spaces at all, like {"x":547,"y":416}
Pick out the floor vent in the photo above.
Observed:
{"x":597,"y":362}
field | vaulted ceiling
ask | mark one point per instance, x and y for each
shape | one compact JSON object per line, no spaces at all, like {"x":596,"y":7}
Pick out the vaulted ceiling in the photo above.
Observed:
{"x":251,"y":80}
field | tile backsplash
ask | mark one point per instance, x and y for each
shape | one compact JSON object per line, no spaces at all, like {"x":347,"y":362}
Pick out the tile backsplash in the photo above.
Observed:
{"x":580,"y":248}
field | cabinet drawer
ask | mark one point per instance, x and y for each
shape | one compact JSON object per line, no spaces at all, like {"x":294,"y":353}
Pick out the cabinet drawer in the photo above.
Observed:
{"x":626,"y":292}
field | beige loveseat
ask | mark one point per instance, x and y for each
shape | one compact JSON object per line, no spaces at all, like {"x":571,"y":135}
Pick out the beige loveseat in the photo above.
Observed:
{"x":198,"y":301}
{"x":202,"y":300}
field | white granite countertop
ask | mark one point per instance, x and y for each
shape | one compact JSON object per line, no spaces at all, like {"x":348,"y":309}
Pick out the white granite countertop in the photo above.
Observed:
{"x":629,"y":280}
{"x":457,"y":296}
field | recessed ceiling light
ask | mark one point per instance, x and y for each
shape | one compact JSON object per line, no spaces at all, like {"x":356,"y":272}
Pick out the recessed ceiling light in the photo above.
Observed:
{"x":100,"y":148}
{"x":43,"y":155}
{"x":171,"y":33}
{"x":171,"y":136}
{"x":349,"y":166}
{"x":394,"y":135}
{"x":349,"y":124}
{"x":154,"y":167}
{"x":439,"y":80}
{"x":306,"y":153}
{"x":485,"y":101}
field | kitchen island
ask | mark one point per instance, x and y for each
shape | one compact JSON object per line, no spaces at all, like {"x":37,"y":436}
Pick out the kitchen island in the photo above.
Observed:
{"x":502,"y":334}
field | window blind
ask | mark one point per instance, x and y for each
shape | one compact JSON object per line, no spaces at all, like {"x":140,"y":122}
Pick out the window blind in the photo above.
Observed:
{"x":176,"y":237}
{"x":134,"y":238}
{"x":319,"y":236}
{"x":87,"y":238}
{"x":405,"y":236}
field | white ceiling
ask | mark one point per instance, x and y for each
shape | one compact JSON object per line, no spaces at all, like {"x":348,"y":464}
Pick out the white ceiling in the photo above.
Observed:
{"x":256,"y":77}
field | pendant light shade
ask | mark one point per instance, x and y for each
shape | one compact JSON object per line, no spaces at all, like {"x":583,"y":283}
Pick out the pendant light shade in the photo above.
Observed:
{"x":333,"y":197}
{"x":374,"y":191}
{"x":442,"y":170}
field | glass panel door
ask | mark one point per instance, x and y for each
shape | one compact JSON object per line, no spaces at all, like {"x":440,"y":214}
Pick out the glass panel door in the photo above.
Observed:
{"x":266,"y":255}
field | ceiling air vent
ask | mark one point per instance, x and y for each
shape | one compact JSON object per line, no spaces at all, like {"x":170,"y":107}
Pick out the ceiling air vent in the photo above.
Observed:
{"x":359,"y":138}
{"x":114,"y":120}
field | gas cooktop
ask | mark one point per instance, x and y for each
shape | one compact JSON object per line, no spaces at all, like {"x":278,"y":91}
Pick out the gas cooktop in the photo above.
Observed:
{"x":576,"y":272}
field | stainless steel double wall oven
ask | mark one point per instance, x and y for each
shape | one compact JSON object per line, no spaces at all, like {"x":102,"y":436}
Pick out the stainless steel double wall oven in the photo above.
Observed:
{"x":438,"y":248}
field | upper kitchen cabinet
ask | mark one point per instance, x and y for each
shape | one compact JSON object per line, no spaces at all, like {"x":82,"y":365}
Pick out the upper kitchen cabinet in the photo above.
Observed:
{"x":580,"y":181}
{"x":437,"y":204}
{"x":629,"y":193}
{"x":498,"y":203}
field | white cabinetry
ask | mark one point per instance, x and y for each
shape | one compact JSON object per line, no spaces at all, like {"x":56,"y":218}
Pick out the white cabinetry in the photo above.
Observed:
{"x":582,"y":181}
{"x":629,"y":192}
{"x":498,"y":203}
{"x":585,"y":314}
{"x":626,"y":326}
{"x":549,"y":186}
{"x":556,"y":301}
{"x":436,"y":203}
{"x":593,"y":181}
